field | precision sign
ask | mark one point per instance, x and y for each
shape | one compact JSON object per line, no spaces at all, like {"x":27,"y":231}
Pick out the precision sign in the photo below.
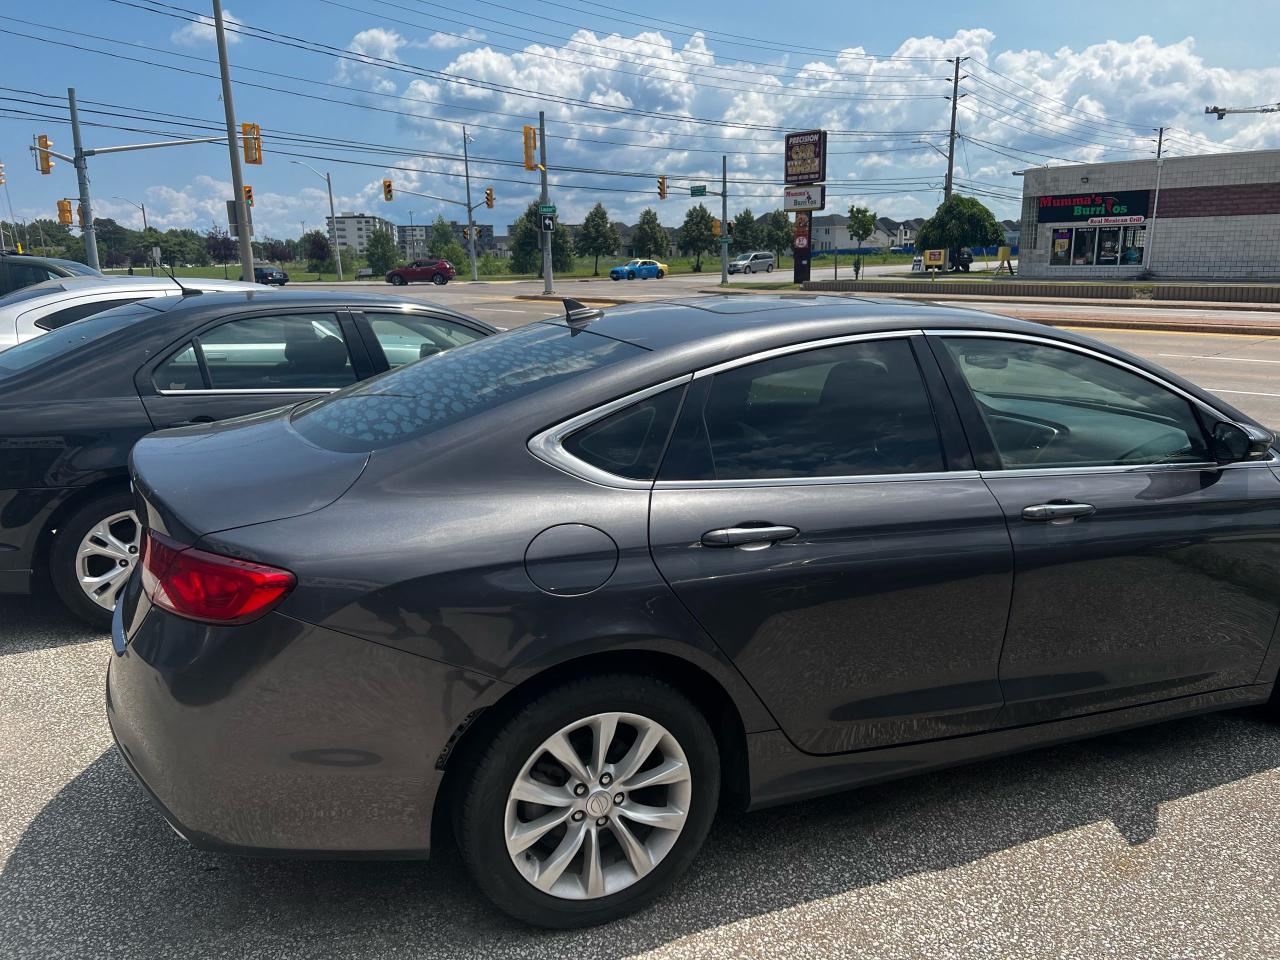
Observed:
{"x":812,"y":197}
{"x":806,"y":157}
{"x":1121,"y":206}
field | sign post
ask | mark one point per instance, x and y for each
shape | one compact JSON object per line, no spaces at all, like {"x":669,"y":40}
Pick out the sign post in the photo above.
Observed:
{"x":805,"y":158}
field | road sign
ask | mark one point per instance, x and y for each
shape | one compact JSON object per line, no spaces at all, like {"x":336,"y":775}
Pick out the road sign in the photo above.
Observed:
{"x":547,"y":209}
{"x":232,"y":223}
{"x":806,"y":157}
{"x":548,"y":223}
{"x":699,"y":191}
{"x":804,"y":198}
{"x":935,"y":259}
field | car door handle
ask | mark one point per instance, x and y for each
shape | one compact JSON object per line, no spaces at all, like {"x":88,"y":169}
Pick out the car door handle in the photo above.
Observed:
{"x":192,"y":422}
{"x":1057,"y":512}
{"x":757,"y":537}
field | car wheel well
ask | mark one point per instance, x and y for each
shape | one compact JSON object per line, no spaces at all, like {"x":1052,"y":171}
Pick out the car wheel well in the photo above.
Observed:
{"x":44,"y":544}
{"x":702,"y":689}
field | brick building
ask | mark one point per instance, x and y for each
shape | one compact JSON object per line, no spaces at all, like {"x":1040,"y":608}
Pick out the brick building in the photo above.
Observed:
{"x":1216,"y":217}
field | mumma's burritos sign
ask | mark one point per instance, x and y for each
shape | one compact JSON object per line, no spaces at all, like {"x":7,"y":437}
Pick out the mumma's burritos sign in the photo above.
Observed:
{"x":1120,"y":206}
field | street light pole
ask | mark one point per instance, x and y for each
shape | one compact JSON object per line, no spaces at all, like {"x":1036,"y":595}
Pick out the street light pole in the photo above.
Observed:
{"x":548,"y":285}
{"x":143,"y":208}
{"x":471,"y":224}
{"x":237,"y":180}
{"x":333,"y":218}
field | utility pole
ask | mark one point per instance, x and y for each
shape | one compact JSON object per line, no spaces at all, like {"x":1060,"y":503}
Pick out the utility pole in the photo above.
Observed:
{"x":1160,"y":143}
{"x":471,"y":224}
{"x":548,"y":284}
{"x":82,"y":176}
{"x":724,"y":221}
{"x":237,"y":181}
{"x":951,"y":144}
{"x":1221,"y":112}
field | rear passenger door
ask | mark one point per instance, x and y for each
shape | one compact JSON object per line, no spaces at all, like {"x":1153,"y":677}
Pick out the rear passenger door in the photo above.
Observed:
{"x":250,"y":364}
{"x":819,"y":514}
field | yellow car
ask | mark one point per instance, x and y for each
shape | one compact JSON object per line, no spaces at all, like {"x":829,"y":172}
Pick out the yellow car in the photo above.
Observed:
{"x":643,"y":269}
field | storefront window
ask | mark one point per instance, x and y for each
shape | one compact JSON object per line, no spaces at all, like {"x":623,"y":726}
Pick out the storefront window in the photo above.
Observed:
{"x":1082,"y":246}
{"x":1132,"y":243}
{"x":1108,"y":246}
{"x":1060,"y":252}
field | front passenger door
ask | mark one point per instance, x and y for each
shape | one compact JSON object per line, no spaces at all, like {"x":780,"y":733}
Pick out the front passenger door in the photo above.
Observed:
{"x":818,"y":515}
{"x":248,"y":365}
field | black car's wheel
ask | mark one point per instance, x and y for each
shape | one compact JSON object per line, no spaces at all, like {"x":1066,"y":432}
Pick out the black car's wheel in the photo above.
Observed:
{"x":614,"y":276}
{"x":590,"y":801}
{"x":439,"y":279}
{"x":396,"y":280}
{"x":94,"y":551}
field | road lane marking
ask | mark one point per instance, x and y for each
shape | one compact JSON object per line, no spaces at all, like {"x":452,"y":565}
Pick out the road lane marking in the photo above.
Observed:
{"x":1194,"y":356}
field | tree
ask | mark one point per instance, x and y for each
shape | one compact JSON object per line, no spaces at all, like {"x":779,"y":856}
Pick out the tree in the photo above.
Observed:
{"x":441,"y":236}
{"x":381,"y":253}
{"x":649,"y":239}
{"x":746,"y":232}
{"x":959,"y":222}
{"x":220,"y":247}
{"x":862,"y":223}
{"x":277,"y":250}
{"x":598,"y":237}
{"x":697,"y":235}
{"x":315,"y":249}
{"x":778,"y":233}
{"x":526,"y":249}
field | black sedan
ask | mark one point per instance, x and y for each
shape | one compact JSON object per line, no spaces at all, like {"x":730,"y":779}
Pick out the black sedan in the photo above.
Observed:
{"x":269,"y":276}
{"x":74,"y":401}
{"x":564,"y":589}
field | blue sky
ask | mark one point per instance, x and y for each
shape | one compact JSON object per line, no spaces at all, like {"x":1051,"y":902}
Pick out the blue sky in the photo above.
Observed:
{"x":1046,"y":83}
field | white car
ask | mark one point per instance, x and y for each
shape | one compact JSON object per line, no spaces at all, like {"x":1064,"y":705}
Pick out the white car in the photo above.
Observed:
{"x":41,"y":307}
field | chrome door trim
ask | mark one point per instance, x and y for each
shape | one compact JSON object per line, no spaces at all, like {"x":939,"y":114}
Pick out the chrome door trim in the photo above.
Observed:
{"x":817,"y":481}
{"x":242,"y":393}
{"x":546,"y":446}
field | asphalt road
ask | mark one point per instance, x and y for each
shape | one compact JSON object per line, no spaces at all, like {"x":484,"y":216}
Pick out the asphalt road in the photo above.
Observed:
{"x":1158,"y":842}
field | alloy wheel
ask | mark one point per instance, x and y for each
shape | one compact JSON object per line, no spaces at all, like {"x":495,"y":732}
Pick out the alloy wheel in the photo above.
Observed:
{"x":598,"y":806}
{"x":107,"y":555}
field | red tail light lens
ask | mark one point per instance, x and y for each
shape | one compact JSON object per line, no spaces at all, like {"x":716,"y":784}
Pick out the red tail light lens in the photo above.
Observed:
{"x":207,"y":586}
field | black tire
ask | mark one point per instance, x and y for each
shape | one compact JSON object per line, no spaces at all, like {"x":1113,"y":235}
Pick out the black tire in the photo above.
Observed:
{"x":746,"y":268}
{"x":479,"y":813}
{"x":397,"y":280}
{"x":614,"y":277}
{"x":769,"y":268}
{"x":62,"y":558}
{"x":439,"y":279}
{"x":661,"y":274}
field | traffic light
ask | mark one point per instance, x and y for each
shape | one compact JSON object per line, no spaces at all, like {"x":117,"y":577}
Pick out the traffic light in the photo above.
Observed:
{"x":715,"y":228}
{"x":488,"y":196}
{"x":248,"y":195}
{"x":662,"y":188}
{"x":387,"y":192}
{"x":1,"y":174}
{"x":251,"y":138}
{"x":466,"y":233}
{"x":44,"y":162}
{"x":530,"y":145}
{"x":64,"y":211}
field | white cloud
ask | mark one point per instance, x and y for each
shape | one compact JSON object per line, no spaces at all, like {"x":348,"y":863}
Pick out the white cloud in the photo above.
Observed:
{"x":203,"y":31}
{"x":451,"y":41}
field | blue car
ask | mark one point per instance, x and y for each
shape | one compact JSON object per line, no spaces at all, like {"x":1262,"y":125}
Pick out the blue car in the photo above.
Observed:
{"x":642,"y":269}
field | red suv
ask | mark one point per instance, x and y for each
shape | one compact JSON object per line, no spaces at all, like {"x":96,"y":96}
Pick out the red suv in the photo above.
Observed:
{"x":420,"y":271}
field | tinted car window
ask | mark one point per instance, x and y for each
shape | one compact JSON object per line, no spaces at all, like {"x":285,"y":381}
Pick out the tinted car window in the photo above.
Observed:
{"x":420,"y":398}
{"x":405,"y":338}
{"x":628,"y":443}
{"x":60,"y":318}
{"x":281,"y":352}
{"x":180,"y":372}
{"x":22,"y":274}
{"x":77,"y":268}
{"x":848,"y":410}
{"x":39,"y":349}
{"x":1049,"y":407}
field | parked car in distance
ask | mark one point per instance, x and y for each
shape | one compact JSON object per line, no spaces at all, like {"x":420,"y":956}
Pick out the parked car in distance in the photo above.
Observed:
{"x":438,"y":272}
{"x":271,"y":276}
{"x":759,"y":261}
{"x":639,"y":268}
{"x":21,"y":270}
{"x":73,"y":402}
{"x":563,"y":589}
{"x":960,"y":260}
{"x":35,"y":310}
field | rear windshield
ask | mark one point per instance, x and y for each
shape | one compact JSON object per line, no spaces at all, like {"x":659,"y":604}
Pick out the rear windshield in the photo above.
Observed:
{"x":78,"y":268}
{"x":73,"y":336}
{"x":421,"y":398}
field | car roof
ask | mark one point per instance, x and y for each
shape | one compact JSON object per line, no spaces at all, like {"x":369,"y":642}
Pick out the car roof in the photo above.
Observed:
{"x":52,"y":291}
{"x":256,"y":297}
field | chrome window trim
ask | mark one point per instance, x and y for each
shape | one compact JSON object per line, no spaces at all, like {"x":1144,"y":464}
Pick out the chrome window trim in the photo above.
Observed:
{"x":817,"y":481}
{"x":250,"y":392}
{"x":804,"y":348}
{"x":546,"y":446}
{"x":1191,"y":398}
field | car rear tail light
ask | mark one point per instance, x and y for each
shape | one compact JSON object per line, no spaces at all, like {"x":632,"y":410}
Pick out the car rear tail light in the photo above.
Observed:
{"x":207,"y":586}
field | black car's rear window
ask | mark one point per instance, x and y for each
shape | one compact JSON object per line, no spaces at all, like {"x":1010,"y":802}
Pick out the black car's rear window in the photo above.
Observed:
{"x":73,"y":336}
{"x":420,"y":398}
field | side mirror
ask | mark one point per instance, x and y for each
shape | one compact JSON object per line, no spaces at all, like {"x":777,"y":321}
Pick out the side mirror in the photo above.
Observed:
{"x":1234,"y":442}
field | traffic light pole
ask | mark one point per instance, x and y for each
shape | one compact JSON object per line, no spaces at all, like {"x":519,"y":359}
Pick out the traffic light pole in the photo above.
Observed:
{"x":471,"y":224}
{"x":548,"y":283}
{"x":82,"y":177}
{"x":237,"y":180}
{"x":724,"y":220}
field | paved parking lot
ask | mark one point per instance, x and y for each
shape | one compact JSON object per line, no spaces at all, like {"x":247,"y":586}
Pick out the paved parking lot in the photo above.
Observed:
{"x":1157,"y":842}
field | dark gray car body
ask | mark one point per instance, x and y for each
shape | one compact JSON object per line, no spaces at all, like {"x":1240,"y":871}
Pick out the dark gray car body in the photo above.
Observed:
{"x":914,"y":624}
